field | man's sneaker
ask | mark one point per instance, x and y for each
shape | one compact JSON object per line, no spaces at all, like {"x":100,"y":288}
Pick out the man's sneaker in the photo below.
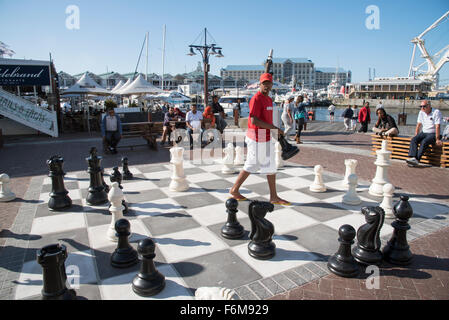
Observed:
{"x":412,"y":161}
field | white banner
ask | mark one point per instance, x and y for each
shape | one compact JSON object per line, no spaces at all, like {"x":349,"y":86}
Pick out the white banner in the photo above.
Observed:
{"x":26,"y":113}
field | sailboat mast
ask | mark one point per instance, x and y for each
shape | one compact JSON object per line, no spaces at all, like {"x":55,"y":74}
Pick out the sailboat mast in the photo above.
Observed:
{"x":146,"y":67}
{"x":163,"y":58}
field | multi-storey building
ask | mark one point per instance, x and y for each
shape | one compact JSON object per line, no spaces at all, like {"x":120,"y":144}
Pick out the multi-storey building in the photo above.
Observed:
{"x":302,"y":69}
{"x":324,"y":76}
{"x":246,"y":73}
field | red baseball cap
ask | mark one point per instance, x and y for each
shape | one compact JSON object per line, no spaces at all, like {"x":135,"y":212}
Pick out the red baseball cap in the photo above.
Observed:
{"x":266,"y":77}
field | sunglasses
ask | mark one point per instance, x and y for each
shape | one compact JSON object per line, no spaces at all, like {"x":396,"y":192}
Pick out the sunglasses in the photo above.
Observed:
{"x":424,"y":106}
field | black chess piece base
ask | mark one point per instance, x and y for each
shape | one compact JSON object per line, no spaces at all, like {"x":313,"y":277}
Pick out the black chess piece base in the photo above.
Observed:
{"x":367,"y":257}
{"x":124,"y":258}
{"x":288,"y":150}
{"x":148,"y":285}
{"x":59,"y":202}
{"x":345,"y":269}
{"x":232,"y":231}
{"x":262,"y":250}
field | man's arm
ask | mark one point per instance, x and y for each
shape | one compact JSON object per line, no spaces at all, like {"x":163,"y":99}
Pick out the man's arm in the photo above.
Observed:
{"x":437,"y":135}
{"x":418,"y":128}
{"x":264,"y":125}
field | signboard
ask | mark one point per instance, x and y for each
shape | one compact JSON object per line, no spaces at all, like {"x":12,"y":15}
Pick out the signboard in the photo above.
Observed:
{"x":24,"y":75}
{"x":26,"y":113}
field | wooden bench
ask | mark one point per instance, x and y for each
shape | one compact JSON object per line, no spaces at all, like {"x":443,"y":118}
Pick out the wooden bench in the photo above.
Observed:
{"x":149,"y":131}
{"x":399,"y":146}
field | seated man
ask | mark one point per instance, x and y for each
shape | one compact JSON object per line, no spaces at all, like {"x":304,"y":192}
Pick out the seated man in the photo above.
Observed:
{"x":193,"y":122}
{"x":169,"y":116}
{"x":430,"y":121}
{"x":385,"y":125}
{"x":111,"y":130}
{"x":220,"y":116}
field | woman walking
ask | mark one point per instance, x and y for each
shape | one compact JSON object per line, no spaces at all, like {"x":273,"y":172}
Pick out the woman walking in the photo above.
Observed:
{"x":287,"y":117}
{"x":300,"y":114}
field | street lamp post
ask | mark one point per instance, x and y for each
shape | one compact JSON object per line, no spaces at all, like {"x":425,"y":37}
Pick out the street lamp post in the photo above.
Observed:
{"x":206,"y":50}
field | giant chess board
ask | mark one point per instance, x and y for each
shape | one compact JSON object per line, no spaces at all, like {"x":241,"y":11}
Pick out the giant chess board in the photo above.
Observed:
{"x":185,"y":226}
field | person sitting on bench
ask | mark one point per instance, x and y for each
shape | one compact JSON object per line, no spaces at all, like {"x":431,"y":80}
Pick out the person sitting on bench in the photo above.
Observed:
{"x":385,"y":125}
{"x":430,"y":121}
{"x":169,"y":116}
{"x":111,"y":130}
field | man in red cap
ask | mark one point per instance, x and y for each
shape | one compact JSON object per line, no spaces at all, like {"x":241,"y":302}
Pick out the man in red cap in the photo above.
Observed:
{"x":260,"y":146}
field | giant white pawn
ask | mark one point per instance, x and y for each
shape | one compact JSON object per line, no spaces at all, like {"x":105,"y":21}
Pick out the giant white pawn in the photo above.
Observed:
{"x":382,"y":162}
{"x":239,"y":156}
{"x":228,"y":160}
{"x":178,"y":180}
{"x":387,"y":202}
{"x":5,"y":192}
{"x":350,"y":164}
{"x":115,"y":197}
{"x":351,"y":196}
{"x":318,"y":185}
{"x":278,"y":155}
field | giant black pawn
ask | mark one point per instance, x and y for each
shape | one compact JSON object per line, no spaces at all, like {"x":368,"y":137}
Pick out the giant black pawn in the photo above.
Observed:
{"x":116,"y":176}
{"x":367,"y":251}
{"x":96,"y":193}
{"x":261,"y":245}
{"x":342,"y":263}
{"x":288,"y":150}
{"x":127,"y":175}
{"x":52,"y":259}
{"x":397,"y":250}
{"x":148,"y":281}
{"x":232,"y":229}
{"x":124,"y":255}
{"x":59,"y":198}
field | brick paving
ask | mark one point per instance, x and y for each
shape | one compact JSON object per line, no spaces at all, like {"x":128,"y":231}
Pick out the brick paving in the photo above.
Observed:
{"x":427,"y":278}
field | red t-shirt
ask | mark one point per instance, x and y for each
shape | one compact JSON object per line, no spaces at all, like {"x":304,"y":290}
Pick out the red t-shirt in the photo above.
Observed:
{"x":260,"y":106}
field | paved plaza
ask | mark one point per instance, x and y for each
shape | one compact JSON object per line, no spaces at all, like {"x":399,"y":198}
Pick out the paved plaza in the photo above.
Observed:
{"x":186,"y":226}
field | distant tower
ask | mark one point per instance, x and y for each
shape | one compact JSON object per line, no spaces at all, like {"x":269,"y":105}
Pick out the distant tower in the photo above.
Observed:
{"x":369,"y":74}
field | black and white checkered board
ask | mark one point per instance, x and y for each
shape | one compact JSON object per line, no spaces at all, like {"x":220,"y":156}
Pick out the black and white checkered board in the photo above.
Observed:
{"x":186,"y":226}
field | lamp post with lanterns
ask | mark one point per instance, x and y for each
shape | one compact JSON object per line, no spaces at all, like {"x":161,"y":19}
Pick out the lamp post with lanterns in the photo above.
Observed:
{"x":205,"y":50}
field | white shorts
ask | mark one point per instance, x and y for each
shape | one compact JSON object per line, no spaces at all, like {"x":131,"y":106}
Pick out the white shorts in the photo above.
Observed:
{"x":260,"y":156}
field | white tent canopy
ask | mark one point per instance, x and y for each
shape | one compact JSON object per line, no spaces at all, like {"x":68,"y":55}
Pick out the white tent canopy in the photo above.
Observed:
{"x":118,"y":86}
{"x":127,"y":83}
{"x":86,"y":85}
{"x":139,"y":86}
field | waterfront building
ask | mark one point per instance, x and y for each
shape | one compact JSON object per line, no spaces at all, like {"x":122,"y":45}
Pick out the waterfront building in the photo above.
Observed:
{"x":245,"y":73}
{"x":325,"y":75}
{"x":301,"y":68}
{"x":390,"y":88}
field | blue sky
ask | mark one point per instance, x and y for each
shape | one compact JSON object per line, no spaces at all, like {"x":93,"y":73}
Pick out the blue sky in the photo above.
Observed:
{"x":330,"y":33}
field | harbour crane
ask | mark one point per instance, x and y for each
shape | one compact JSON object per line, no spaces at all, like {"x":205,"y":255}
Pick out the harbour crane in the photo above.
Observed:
{"x":433,"y":66}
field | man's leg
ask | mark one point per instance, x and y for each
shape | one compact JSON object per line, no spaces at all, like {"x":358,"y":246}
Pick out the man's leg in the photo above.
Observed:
{"x":274,"y":198}
{"x":428,"y":140}
{"x":234,"y":192}
{"x":190,"y":132}
{"x":413,"y":151}
{"x":393,"y":132}
{"x":108,"y":137}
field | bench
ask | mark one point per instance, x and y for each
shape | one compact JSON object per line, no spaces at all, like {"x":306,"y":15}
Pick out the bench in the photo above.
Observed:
{"x":399,"y":147}
{"x":149,"y":131}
